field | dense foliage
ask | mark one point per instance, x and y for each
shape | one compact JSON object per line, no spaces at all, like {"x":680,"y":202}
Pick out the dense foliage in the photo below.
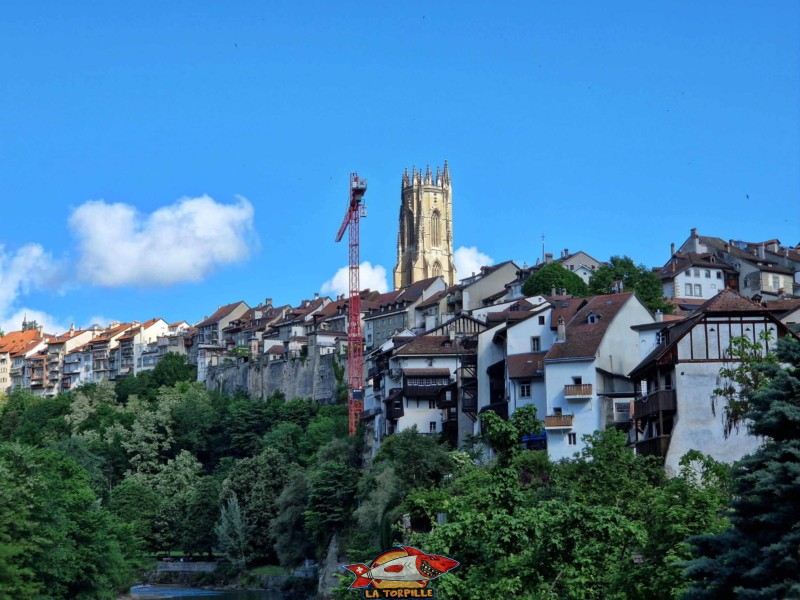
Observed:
{"x":621,"y":274}
{"x":552,"y":276}
{"x":95,"y":483}
{"x":758,"y":556}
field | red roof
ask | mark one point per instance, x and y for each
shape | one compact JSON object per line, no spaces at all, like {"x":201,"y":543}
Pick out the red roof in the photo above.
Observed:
{"x":583,"y":335}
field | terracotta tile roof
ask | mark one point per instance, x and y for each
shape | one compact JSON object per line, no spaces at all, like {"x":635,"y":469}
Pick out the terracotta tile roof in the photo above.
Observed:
{"x":766,"y":264}
{"x":583,"y":337}
{"x":413,"y":292}
{"x":60,"y":339}
{"x":14,"y":341}
{"x":525,"y":365}
{"x":276,"y":349}
{"x":432,"y":301}
{"x":729,"y":301}
{"x":726,"y":301}
{"x":783,"y":306}
{"x":564,"y":307}
{"x":682,"y":261}
{"x":427,"y":345}
{"x":219,"y":314}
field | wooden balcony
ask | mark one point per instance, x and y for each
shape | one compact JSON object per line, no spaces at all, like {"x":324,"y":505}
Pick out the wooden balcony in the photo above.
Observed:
{"x":654,"y":402}
{"x":655,"y":446}
{"x":580,"y":391}
{"x":558,"y":421}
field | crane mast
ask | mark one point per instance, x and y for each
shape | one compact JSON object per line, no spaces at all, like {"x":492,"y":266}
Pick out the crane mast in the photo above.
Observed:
{"x":355,"y":351}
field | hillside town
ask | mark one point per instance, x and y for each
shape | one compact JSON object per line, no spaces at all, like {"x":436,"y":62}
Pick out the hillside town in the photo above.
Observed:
{"x":444,"y":347}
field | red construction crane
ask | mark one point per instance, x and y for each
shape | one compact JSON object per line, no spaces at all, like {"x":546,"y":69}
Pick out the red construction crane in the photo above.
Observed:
{"x":355,"y":350}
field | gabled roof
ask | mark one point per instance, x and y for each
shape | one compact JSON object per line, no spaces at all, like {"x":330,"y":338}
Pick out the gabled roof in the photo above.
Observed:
{"x":682,"y":261}
{"x":219,"y":314}
{"x":582,"y":336}
{"x":765,"y":264}
{"x":726,"y":302}
{"x":564,"y":307}
{"x":432,"y":301}
{"x":781,"y":307}
{"x":15,"y":341}
{"x":428,"y":345}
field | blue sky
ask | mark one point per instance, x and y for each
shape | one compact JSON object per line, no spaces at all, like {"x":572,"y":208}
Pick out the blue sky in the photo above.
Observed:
{"x":160,"y":159}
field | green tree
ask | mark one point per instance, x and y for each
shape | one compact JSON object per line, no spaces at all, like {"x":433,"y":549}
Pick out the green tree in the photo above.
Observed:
{"x":551,"y":276}
{"x":171,"y":369}
{"x":418,"y":460}
{"x":622,"y":272}
{"x":233,"y":533}
{"x":757,"y":556}
{"x":292,"y":541}
{"x":331,"y":495}
{"x":741,"y":377}
{"x":58,"y":541}
{"x":257,"y":483}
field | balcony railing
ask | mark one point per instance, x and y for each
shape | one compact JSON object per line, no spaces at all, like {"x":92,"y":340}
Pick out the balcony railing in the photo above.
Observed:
{"x":654,"y":402}
{"x":578,"y":391}
{"x":655,"y":446}
{"x":558,"y":421}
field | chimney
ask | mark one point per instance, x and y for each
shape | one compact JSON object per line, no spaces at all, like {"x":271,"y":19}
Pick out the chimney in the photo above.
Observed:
{"x":563,"y":291}
{"x":268,"y":302}
{"x":561,"y":330}
{"x":553,"y":291}
{"x":659,"y":316}
{"x":548,"y":257}
{"x":71,"y":329}
{"x":565,"y":253}
{"x":672,"y":249}
{"x":316,"y":295}
{"x":694,"y":232}
{"x":761,"y":253}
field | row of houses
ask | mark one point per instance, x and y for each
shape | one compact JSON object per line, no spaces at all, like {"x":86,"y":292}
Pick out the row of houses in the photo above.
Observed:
{"x":437,"y":356}
{"x":49,"y":364}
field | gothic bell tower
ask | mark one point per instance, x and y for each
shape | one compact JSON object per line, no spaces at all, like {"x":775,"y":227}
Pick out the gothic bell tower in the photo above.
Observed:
{"x":425,"y":238}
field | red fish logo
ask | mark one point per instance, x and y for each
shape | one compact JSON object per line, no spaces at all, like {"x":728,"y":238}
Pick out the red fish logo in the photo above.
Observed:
{"x":403,"y":567}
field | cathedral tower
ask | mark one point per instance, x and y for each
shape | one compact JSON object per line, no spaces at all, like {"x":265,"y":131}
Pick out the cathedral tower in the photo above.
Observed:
{"x":425,"y":238}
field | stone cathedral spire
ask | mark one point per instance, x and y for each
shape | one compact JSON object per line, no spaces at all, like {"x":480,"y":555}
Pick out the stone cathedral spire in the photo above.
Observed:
{"x":425,"y":233}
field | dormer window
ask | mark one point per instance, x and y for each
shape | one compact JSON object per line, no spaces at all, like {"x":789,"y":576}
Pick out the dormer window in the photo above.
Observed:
{"x":593,"y":317}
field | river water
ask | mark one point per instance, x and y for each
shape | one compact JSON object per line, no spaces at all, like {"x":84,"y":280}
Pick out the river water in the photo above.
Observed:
{"x":162,"y":592}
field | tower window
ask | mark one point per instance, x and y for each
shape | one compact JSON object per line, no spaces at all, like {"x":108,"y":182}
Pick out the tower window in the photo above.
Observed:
{"x":436,"y":235}
{"x":437,"y":269}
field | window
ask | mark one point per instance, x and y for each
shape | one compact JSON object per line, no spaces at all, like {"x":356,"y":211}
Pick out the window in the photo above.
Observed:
{"x":431,"y":404}
{"x":776,"y":282}
{"x":719,"y":274}
{"x":435,"y":229}
{"x":541,"y":320}
{"x":557,"y":411}
{"x":432,"y":426}
{"x":698,"y":290}
{"x":708,"y":273}
{"x":577,"y":380}
{"x":524,"y":390}
{"x":688,"y":289}
{"x":697,"y":272}
{"x":536,"y":344}
{"x":572,"y":439}
{"x":437,"y":269}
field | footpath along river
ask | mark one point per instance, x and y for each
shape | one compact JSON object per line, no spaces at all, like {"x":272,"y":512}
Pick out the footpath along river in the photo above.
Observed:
{"x":163,"y":592}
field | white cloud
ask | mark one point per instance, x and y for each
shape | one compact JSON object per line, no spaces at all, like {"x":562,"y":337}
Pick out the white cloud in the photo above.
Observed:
{"x":49,"y":323}
{"x":185,"y":241}
{"x":469,"y":260}
{"x":370,"y":277}
{"x":21,"y":271}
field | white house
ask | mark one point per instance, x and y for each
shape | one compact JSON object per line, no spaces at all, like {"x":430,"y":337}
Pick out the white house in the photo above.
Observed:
{"x":675,"y":382}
